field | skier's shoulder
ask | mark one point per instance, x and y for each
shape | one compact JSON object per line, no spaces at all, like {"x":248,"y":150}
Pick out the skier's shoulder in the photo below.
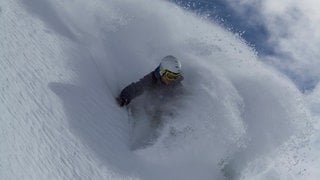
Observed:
{"x":147,"y":79}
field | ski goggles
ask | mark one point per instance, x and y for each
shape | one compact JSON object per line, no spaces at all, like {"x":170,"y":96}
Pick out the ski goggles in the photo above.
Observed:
{"x":170,"y":76}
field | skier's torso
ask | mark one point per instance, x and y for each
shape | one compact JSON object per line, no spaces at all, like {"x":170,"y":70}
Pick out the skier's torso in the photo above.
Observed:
{"x":158,"y":98}
{"x":160,"y":91}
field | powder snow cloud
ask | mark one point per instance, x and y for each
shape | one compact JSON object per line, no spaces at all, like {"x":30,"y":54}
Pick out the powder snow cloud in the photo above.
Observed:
{"x":294,"y":33}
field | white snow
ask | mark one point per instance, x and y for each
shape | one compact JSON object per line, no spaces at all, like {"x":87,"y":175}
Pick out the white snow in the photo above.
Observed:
{"x":62,"y":64}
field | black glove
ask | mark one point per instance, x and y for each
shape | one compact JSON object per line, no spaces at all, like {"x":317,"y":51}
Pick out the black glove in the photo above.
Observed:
{"x":122,"y":101}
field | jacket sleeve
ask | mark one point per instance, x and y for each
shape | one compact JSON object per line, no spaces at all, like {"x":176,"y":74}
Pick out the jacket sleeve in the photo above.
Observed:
{"x":137,"y":88}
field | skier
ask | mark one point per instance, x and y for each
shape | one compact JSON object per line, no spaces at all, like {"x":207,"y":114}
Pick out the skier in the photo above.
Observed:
{"x":162,"y":83}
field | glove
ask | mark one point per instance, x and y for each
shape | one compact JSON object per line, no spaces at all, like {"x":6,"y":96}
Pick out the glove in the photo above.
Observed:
{"x":122,"y":101}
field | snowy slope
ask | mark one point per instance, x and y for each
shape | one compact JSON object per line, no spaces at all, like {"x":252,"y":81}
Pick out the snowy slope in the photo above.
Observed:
{"x":62,"y":64}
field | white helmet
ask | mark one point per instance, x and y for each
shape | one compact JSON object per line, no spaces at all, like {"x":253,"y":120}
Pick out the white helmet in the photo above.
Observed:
{"x":170,"y":63}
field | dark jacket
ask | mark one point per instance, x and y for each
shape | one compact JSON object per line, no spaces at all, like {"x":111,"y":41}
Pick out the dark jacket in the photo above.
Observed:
{"x":152,"y":82}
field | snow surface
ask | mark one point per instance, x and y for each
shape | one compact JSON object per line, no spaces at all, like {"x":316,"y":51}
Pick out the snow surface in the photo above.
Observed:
{"x":63,"y":62}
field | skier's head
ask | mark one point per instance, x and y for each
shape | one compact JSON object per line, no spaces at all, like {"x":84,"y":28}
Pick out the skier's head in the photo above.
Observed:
{"x":170,"y":69}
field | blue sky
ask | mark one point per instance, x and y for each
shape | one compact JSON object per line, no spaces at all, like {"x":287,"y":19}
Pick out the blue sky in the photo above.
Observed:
{"x":286,"y":34}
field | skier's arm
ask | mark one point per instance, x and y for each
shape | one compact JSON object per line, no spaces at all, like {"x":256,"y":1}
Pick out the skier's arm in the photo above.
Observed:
{"x":134,"y":89}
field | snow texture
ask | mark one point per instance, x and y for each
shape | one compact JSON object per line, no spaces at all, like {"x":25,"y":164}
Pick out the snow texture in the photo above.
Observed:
{"x":63,"y":62}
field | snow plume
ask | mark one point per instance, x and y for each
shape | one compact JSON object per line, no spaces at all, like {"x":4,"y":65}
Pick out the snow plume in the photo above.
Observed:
{"x":294,"y":33}
{"x":64,"y":62}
